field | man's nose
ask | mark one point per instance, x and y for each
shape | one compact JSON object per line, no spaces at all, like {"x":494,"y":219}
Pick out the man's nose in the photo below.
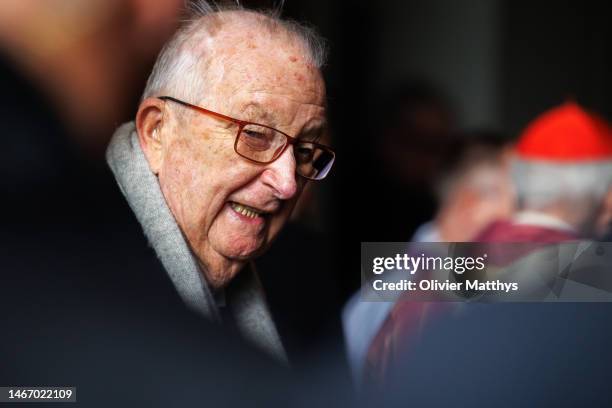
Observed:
{"x":280,"y":175}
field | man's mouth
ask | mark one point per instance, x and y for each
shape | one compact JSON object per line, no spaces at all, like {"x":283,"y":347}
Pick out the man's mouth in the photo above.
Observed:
{"x":247,"y":211}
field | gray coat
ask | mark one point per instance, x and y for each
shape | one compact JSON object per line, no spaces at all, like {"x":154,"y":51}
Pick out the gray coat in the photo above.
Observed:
{"x":244,"y":297}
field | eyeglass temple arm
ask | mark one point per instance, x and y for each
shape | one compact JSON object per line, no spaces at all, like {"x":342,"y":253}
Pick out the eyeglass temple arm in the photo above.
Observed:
{"x":202,"y":110}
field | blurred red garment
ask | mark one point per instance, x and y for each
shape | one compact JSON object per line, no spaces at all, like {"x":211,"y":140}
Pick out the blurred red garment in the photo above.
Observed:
{"x":536,"y":229}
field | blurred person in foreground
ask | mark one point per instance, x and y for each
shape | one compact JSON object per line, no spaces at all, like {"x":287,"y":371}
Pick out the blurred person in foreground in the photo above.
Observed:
{"x":70,"y":71}
{"x":473,"y":189}
{"x":225,"y":138}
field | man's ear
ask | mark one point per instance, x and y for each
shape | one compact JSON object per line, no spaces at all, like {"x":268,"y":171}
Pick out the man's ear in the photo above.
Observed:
{"x":149,"y":123}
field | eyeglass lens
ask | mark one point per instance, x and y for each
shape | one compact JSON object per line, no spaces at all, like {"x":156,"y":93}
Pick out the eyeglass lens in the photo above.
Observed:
{"x":262,"y":144}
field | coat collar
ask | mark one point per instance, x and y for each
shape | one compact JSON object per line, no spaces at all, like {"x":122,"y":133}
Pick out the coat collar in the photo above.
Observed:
{"x":244,"y":296}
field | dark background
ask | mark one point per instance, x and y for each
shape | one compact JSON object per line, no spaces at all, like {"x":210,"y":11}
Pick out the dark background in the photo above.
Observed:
{"x":499,"y":64}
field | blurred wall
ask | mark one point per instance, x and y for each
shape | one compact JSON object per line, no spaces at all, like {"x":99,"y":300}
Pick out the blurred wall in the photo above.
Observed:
{"x":455,"y":44}
{"x":500,"y":63}
{"x":553,"y":50}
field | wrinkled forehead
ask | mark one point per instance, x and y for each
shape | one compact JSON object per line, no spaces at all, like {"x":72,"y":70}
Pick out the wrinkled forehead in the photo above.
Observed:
{"x":246,"y":58}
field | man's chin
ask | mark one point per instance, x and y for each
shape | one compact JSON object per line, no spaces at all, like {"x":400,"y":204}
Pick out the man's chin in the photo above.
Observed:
{"x":221,"y":265}
{"x":242,"y":250}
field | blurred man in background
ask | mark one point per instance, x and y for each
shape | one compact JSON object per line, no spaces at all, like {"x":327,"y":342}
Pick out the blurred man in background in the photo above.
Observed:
{"x":523,"y":351}
{"x":473,"y":188}
{"x":563,"y":175}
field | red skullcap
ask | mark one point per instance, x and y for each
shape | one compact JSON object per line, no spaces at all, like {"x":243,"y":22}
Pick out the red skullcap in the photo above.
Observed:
{"x":566,"y":133}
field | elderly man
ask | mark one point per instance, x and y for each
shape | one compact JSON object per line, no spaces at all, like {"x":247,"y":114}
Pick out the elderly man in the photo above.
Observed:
{"x":225,"y":138}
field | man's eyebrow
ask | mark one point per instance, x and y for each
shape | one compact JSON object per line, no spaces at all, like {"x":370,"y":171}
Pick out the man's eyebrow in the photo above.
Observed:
{"x":313,"y":132}
{"x":253,"y":111}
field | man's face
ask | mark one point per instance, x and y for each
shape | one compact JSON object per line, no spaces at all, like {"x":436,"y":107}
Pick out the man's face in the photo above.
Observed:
{"x":207,"y":185}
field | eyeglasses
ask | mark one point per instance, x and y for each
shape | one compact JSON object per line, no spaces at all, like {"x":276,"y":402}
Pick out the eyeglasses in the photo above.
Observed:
{"x":263,"y":144}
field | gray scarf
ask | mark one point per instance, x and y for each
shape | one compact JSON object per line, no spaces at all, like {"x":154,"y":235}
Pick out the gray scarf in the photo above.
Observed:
{"x":244,"y":296}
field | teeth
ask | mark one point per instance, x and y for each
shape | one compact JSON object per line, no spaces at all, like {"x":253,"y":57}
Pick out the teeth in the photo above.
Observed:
{"x":244,"y":210}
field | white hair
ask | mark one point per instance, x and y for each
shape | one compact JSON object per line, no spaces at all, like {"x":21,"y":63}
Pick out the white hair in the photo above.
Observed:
{"x":541,"y":184}
{"x":481,"y":168}
{"x":180,"y":69}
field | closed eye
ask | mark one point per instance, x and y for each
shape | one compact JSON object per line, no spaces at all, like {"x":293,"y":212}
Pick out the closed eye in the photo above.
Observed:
{"x":253,"y":134}
{"x":257,"y":138}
